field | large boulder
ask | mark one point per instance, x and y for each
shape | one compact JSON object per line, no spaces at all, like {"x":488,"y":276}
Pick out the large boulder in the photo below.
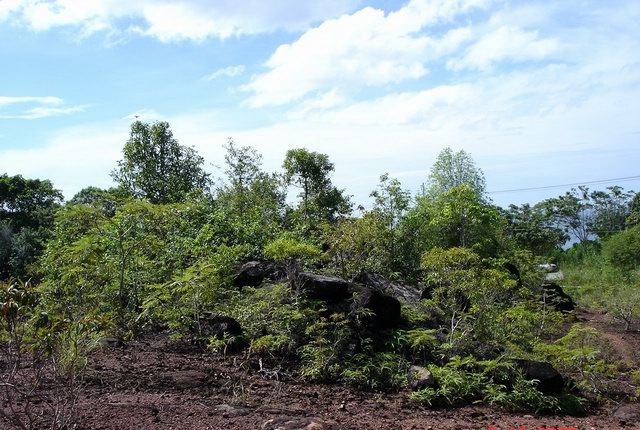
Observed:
{"x":550,"y":381}
{"x":330,"y":289}
{"x":405,"y":293}
{"x":254,"y":273}
{"x":555,"y":296}
{"x":386,"y":309}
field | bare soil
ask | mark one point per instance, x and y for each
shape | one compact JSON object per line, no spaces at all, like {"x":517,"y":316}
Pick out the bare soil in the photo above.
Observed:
{"x":156,"y":383}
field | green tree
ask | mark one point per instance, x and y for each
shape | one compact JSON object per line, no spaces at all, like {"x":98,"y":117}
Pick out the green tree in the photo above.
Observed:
{"x":527,"y":226}
{"x":453,"y":169}
{"x":157,"y":168}
{"x":249,"y":206}
{"x":589,"y":215}
{"x":634,"y":211}
{"x":105,"y":265}
{"x":390,"y":201}
{"x":243,"y":169}
{"x":611,"y":209}
{"x":311,"y":171}
{"x":460,"y":218}
{"x":361,"y":243}
{"x":470,"y":293}
{"x":622,"y":250}
{"x":27,"y":208}
{"x":570,"y":212}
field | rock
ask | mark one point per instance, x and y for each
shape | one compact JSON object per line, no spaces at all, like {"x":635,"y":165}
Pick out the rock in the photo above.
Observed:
{"x":387,"y":309}
{"x":420,"y":378}
{"x":556,"y":297}
{"x":254,"y":273}
{"x":627,"y":414}
{"x":550,"y":380}
{"x":183,"y":379}
{"x":326,"y":288}
{"x":212,"y":324}
{"x":111,"y":342}
{"x":309,"y":423}
{"x":514,"y":273}
{"x":405,"y":293}
{"x":228,"y":411}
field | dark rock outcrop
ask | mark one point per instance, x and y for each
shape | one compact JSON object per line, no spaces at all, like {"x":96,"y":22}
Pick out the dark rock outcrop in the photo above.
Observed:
{"x":219,"y":326}
{"x":405,"y":293}
{"x":386,"y":309}
{"x":550,"y":380}
{"x":254,"y":273}
{"x":514,"y":273}
{"x":555,"y":296}
{"x":330,"y":289}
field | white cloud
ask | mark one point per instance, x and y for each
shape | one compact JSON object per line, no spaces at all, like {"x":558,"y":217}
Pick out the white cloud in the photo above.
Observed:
{"x":168,"y":20}
{"x":36,"y":107}
{"x":230,"y":72}
{"x":364,"y":49}
{"x":47,"y":100}
{"x":505,"y":43}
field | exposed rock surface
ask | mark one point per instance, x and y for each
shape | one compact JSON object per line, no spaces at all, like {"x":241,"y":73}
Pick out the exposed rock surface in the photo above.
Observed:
{"x":254,"y":273}
{"x":405,"y":293}
{"x":219,"y":326}
{"x":386,"y":309}
{"x":556,"y":297}
{"x":326,"y":288}
{"x":550,"y":380}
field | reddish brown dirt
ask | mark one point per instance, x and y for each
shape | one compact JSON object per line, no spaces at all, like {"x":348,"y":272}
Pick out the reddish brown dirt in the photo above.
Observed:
{"x":159,"y":384}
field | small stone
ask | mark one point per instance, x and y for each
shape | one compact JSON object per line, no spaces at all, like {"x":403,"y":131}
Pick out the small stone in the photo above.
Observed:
{"x":420,"y":378}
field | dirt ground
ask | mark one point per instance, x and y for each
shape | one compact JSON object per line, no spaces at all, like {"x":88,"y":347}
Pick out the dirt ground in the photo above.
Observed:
{"x":159,"y":384}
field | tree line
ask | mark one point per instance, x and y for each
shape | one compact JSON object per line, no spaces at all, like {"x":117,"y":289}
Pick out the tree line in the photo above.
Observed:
{"x":162,"y":249}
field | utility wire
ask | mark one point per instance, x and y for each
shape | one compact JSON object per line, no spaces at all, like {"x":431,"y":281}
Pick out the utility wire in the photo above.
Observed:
{"x":602,"y":181}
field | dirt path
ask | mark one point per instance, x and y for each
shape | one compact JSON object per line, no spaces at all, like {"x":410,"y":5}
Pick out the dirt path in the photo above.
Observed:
{"x":625,"y":344}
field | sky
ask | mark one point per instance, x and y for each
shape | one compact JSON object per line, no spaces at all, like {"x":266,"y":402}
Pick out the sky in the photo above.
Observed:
{"x":542,"y":94}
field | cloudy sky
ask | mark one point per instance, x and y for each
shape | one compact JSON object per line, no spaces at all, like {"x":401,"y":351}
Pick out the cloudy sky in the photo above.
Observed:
{"x":540,"y":93}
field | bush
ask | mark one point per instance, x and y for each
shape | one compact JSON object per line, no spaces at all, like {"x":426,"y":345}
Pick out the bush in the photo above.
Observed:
{"x":623,"y":249}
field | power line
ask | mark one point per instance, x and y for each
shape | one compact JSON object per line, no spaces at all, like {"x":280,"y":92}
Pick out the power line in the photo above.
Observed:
{"x":602,"y":181}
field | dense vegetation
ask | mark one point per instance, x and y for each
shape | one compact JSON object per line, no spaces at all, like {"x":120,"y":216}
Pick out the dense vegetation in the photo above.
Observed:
{"x":162,"y":250}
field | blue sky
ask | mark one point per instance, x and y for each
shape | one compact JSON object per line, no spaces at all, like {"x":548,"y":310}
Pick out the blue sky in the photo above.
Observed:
{"x":540,"y":93}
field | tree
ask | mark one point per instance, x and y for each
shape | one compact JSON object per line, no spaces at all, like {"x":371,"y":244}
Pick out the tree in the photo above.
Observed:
{"x":611,"y":209}
{"x":157,"y":168}
{"x":390,"y":200}
{"x":461,"y":218}
{"x":311,"y":171}
{"x":453,"y":169}
{"x":27,"y":208}
{"x":622,"y":250}
{"x":250,"y":205}
{"x":391,"y":203}
{"x":634,"y":211}
{"x":527,"y":226}
{"x":570,"y":212}
{"x":587,"y":215}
